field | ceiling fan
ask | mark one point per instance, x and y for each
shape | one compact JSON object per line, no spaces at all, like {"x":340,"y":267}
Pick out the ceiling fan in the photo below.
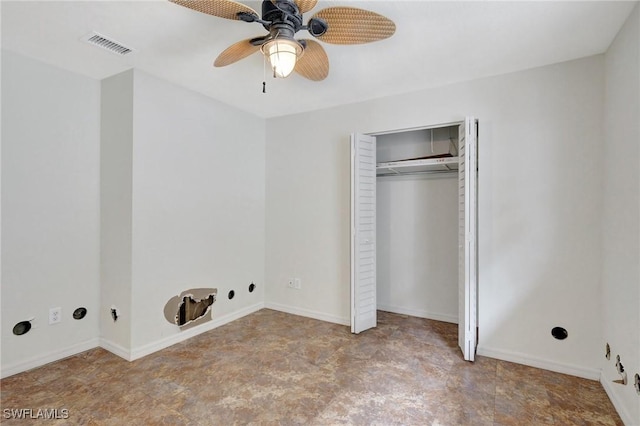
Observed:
{"x":283,"y":19}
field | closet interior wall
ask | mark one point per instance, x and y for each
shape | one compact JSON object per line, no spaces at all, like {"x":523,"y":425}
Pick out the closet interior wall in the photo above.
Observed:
{"x":417,"y":229}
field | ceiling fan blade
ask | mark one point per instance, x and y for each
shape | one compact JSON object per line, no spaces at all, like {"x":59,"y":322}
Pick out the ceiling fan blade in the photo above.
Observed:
{"x":306,"y":5}
{"x":349,"y":25}
{"x":235,"y":52}
{"x":314,"y":63}
{"x":227,"y":9}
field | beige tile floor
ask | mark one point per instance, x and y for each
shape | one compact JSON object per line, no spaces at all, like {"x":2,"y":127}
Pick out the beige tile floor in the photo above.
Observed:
{"x":275,"y":368}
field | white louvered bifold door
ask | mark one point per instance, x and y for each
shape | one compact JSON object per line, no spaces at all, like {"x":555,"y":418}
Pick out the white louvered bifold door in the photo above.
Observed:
{"x":467,"y":238}
{"x":363,"y":232}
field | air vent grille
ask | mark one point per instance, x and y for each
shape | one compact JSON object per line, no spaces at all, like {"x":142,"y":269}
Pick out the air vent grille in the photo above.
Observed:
{"x":107,"y":44}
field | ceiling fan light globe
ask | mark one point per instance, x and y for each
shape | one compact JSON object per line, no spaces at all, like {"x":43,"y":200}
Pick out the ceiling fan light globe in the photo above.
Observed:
{"x":282,"y":54}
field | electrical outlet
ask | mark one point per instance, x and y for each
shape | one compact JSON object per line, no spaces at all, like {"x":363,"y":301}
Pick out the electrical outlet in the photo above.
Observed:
{"x":55,"y":315}
{"x":297,"y":284}
{"x":290,"y":283}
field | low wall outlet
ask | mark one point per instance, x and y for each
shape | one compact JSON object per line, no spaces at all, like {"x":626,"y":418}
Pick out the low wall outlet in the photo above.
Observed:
{"x":55,"y":315}
{"x":297,"y":284}
{"x":290,"y":283}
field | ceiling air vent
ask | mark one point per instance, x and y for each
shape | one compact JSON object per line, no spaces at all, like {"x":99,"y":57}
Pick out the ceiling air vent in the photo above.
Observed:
{"x":107,"y":44}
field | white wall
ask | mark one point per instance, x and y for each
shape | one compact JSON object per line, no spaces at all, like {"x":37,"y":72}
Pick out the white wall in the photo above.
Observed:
{"x":621,"y":217}
{"x":198,"y":206}
{"x":116,"y":168}
{"x":417,"y":246}
{"x":50,"y":210}
{"x":539,"y":206}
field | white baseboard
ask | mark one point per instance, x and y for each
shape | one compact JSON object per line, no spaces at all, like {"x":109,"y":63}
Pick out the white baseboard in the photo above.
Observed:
{"x":624,"y":414}
{"x":520,"y":358}
{"x":419,"y":313}
{"x":129,"y":355}
{"x":115,"y":349}
{"x":40,"y":360}
{"x":307,"y":313}
{"x":150,"y":348}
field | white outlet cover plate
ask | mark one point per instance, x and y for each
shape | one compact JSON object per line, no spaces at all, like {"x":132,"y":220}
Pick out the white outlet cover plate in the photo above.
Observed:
{"x":55,"y":315}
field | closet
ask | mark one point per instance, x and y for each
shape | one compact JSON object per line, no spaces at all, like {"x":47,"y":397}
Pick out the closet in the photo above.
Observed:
{"x":413,"y":221}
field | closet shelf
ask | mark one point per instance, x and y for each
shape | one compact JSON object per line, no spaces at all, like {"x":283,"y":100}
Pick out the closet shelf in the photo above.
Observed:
{"x":423,"y":165}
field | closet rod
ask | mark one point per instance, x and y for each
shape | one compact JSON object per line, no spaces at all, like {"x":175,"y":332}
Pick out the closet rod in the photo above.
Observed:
{"x":429,"y":172}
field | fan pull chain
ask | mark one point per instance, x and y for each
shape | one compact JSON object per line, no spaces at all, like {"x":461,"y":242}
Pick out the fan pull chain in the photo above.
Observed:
{"x":264,"y":74}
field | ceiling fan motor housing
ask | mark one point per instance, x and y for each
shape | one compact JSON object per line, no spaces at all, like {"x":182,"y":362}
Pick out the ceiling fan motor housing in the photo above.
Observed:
{"x":281,"y":14}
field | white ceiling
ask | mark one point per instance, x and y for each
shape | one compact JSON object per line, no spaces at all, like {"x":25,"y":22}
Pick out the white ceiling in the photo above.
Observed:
{"x":435,"y":43}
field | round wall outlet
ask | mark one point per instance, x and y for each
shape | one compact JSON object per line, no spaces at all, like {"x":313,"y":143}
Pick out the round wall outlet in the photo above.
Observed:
{"x":79,"y":313}
{"x":559,"y":333}
{"x":21,"y":328}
